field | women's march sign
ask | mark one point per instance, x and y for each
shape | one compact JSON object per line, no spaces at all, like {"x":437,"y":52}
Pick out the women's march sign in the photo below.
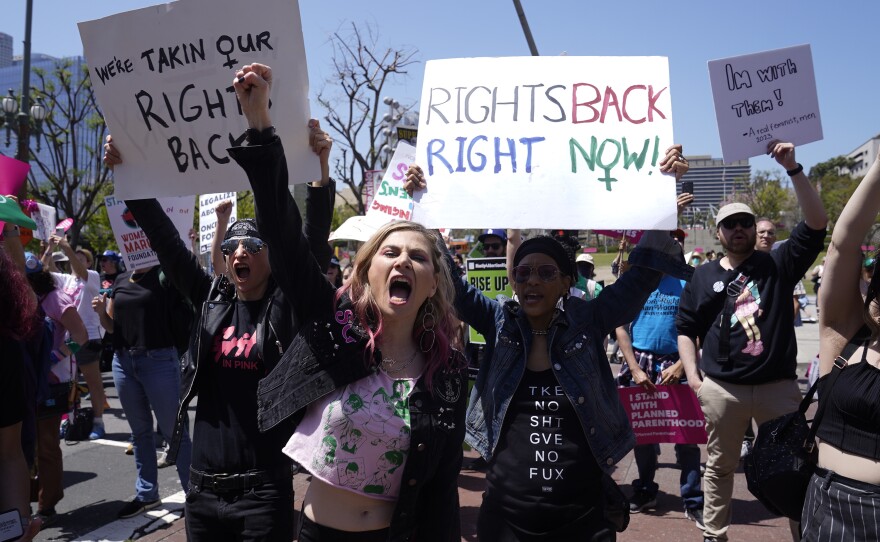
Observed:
{"x":669,"y":414}
{"x":131,"y":239}
{"x":765,"y":96}
{"x":163,"y":78}
{"x":390,"y":201}
{"x":546,"y":142}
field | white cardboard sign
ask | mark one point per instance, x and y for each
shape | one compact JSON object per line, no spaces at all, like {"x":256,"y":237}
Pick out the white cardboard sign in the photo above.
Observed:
{"x":762,"y":97}
{"x":163,"y":78}
{"x":546,"y":142}
{"x":45,"y":218}
{"x":131,"y":239}
{"x":208,"y":217}
{"x":391,"y":202}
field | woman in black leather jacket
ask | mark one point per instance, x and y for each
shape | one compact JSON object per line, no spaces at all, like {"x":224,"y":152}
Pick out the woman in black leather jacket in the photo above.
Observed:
{"x":377,"y":391}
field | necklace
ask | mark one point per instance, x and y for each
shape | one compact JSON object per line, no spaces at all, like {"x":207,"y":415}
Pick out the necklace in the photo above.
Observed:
{"x":540,"y":331}
{"x":388,"y":364}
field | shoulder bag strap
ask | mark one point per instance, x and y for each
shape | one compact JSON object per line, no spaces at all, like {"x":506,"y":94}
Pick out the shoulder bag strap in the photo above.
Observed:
{"x":839,"y":364}
{"x":732,"y":290}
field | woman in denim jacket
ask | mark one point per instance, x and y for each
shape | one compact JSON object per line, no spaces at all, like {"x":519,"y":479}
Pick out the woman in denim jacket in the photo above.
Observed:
{"x":377,"y":392}
{"x":544,"y":411}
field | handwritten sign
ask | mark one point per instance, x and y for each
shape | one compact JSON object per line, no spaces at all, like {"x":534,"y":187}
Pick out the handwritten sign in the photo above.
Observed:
{"x":163,"y":78}
{"x":131,"y":239}
{"x":546,"y":142}
{"x":669,"y":414}
{"x":762,"y":97}
{"x":208,"y":217}
{"x":45,"y":218}
{"x":391,"y":201}
{"x":489,"y":275}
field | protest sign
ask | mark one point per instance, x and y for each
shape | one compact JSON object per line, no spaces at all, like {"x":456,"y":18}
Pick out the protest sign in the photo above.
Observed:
{"x":489,"y":275}
{"x":632,"y":236}
{"x":12,"y":175}
{"x":391,"y":202}
{"x":46,"y":217}
{"x":208,"y":217}
{"x":163,"y":79}
{"x":762,"y":97}
{"x":546,"y":142}
{"x":669,"y":414}
{"x":131,"y":239}
{"x":371,"y":179}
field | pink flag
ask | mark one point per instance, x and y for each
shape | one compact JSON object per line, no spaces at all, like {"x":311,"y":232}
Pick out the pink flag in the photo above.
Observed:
{"x":12,"y":175}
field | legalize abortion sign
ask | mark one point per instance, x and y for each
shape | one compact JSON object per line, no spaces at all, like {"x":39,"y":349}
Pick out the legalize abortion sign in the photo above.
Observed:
{"x":546,"y":142}
{"x":163,"y":78}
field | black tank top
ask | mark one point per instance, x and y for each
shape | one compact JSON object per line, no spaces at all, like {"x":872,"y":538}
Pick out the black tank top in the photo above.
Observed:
{"x":852,"y":417}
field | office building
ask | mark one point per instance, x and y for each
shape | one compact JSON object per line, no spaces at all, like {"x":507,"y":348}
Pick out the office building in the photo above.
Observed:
{"x":713,"y":182}
{"x":864,"y":155}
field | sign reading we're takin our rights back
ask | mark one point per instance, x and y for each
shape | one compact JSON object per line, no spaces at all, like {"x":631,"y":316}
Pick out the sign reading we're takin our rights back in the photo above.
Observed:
{"x":762,"y":97}
{"x":546,"y":142}
{"x":163,"y":76}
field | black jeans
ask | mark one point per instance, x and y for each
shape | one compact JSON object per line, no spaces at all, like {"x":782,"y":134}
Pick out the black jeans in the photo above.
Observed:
{"x":263,"y":513}
{"x":591,"y":527}
{"x":312,"y":532}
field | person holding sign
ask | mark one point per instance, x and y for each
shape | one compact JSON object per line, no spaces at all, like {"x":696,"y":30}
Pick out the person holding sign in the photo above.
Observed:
{"x":240,"y":480}
{"x":377,"y":392}
{"x":739,"y":309}
{"x":844,"y":493}
{"x":544,"y":411}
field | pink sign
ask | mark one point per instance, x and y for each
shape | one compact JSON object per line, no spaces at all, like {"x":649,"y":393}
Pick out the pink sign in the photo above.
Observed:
{"x":669,"y":414}
{"x":65,"y":224}
{"x":632,"y":236}
{"x":12,"y":175}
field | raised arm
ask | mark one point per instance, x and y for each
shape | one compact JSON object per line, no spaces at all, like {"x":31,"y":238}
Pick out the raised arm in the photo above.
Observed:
{"x":223,"y":212}
{"x":294,"y":267}
{"x":840,"y":305}
{"x":79,"y":269}
{"x":808,"y":198}
{"x":514,"y":240}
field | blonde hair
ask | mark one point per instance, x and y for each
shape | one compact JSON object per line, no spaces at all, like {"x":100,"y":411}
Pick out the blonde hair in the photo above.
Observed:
{"x":366,"y":310}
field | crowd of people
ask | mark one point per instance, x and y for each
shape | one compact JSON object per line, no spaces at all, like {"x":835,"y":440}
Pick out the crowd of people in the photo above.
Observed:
{"x":355,"y":373}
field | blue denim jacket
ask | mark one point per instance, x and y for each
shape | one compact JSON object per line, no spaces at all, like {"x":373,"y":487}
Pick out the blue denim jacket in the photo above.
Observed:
{"x":577,"y":355}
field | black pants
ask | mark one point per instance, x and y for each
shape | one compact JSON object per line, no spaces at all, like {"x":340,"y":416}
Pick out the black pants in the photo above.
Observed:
{"x":312,"y":532}
{"x":591,"y":527}
{"x":263,"y":513}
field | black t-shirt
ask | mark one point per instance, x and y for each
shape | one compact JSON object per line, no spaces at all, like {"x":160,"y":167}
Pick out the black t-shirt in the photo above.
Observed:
{"x":12,"y":375}
{"x":763,"y":347}
{"x":142,"y":311}
{"x":543,"y":474}
{"x":226,"y":438}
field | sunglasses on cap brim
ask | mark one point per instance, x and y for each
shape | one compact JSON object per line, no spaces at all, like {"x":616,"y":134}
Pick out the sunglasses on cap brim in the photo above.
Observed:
{"x":252,"y":244}
{"x":546,"y":272}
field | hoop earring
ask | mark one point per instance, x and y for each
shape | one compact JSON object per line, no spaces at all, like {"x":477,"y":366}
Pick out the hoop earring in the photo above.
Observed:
{"x":429,"y":322}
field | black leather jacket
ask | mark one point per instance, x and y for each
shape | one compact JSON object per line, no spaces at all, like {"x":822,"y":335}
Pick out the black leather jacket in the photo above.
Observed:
{"x":214,"y":299}
{"x":328,"y":352}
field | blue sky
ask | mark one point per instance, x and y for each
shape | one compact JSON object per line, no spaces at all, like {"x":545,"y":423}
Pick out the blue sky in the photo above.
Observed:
{"x":690,"y":33}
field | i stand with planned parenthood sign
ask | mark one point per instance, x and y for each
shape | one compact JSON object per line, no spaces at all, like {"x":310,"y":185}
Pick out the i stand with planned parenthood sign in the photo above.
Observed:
{"x":163,"y":79}
{"x":765,"y":96}
{"x":668,"y":414}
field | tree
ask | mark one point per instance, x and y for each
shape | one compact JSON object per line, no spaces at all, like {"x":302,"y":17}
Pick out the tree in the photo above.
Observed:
{"x":353,"y":112}
{"x":835,"y":188}
{"x":73,"y":178}
{"x":765,"y":194}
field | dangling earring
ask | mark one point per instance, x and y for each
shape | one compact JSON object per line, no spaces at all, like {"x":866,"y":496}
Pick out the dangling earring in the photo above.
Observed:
{"x":429,"y":322}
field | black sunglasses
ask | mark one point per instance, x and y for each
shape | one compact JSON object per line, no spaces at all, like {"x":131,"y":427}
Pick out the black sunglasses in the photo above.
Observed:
{"x":730,"y":222}
{"x":492,"y":246}
{"x":251,"y":244}
{"x":546,"y":272}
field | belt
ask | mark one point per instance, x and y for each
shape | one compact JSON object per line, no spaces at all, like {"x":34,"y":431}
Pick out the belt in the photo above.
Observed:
{"x":831,"y":476}
{"x":237,"y":482}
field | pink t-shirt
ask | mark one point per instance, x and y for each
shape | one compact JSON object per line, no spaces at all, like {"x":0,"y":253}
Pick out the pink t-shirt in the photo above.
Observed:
{"x":357,"y":437}
{"x":54,"y":304}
